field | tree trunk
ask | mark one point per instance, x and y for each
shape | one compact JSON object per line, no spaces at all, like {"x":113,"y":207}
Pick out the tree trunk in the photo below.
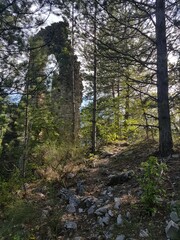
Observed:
{"x":165,"y":135}
{"x":73,"y":77}
{"x":94,"y":84}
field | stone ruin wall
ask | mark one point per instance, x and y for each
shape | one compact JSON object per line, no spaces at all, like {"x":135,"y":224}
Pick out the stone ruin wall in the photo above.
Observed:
{"x":55,"y":39}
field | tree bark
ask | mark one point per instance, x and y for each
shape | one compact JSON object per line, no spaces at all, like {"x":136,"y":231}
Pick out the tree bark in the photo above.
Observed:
{"x":94,"y":83}
{"x":74,"y":130}
{"x":165,"y":135}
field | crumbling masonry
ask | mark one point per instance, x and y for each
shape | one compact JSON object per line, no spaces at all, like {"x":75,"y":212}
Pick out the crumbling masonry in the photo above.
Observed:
{"x":66,"y":92}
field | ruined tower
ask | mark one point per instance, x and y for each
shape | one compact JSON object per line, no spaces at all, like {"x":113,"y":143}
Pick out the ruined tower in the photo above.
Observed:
{"x":66,"y":90}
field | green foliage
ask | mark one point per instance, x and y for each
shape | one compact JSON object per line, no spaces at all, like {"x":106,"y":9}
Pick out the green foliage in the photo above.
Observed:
{"x":8,"y":188}
{"x":18,"y":215}
{"x":152,"y":183}
{"x":55,"y":157}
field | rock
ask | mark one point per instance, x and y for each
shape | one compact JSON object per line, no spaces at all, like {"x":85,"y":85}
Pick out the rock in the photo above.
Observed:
{"x":106,"y":155}
{"x":89,"y":201}
{"x":70,"y":175}
{"x":143,"y":233}
{"x":70,"y":225}
{"x":100,"y":221}
{"x":110,"y":189}
{"x":78,"y":238}
{"x":45,"y":214}
{"x":80,"y":210}
{"x":70,"y":208}
{"x":91,"y":209}
{"x":172,"y":230}
{"x":80,"y":188}
{"x":119,"y":220}
{"x":117,"y":203}
{"x":128,"y":216}
{"x":104,"y":192}
{"x":65,"y":193}
{"x":102,"y":211}
{"x":139,"y":192}
{"x":101,"y":201}
{"x":120,"y":178}
{"x":106,"y":219}
{"x":40,"y":195}
{"x":175,"y":155}
{"x":74,"y":201}
{"x":174,"y":217}
{"x":108,"y":235}
{"x":120,"y":237}
{"x":110,"y":213}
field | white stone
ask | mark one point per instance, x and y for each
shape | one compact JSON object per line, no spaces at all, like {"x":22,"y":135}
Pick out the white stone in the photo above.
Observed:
{"x":110,"y":213}
{"x":70,"y":208}
{"x":120,"y":237}
{"x":101,"y":211}
{"x":91,"y":210}
{"x":117,"y":203}
{"x":171,"y":229}
{"x":174,"y":217}
{"x":119,"y":220}
{"x":143,"y":233}
{"x":70,"y":225}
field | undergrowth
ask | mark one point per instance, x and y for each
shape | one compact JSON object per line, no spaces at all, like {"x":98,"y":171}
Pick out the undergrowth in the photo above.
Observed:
{"x":152,"y":184}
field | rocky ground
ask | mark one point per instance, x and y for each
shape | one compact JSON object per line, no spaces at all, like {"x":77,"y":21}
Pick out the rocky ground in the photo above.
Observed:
{"x":100,"y":199}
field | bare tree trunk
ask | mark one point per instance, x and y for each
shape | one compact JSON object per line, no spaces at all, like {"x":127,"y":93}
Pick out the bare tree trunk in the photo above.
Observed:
{"x":127,"y":102}
{"x":165,"y":135}
{"x":23,"y":159}
{"x":94,"y":83}
{"x":73,"y":77}
{"x":145,"y":117}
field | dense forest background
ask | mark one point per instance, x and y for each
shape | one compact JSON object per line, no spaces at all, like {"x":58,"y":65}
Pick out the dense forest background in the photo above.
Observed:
{"x":78,"y":75}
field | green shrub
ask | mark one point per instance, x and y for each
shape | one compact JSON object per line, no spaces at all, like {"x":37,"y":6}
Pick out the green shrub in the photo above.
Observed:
{"x":18,"y":217}
{"x":8,"y":188}
{"x":152,"y":183}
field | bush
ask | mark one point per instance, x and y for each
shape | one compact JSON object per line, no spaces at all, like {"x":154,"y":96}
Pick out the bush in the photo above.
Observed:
{"x":152,"y":183}
{"x":8,"y":188}
{"x":18,"y":217}
{"x":52,"y":159}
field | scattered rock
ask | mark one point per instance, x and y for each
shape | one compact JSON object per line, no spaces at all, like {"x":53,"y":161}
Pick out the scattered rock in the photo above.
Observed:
{"x":108,"y":235}
{"x":120,"y":237}
{"x":80,"y":210}
{"x":100,"y":221}
{"x":174,"y":217}
{"x":110,"y":213}
{"x":119,"y":220}
{"x":70,"y":225}
{"x":120,"y":178}
{"x":172,"y":230}
{"x":40,"y":195}
{"x":45,"y":214}
{"x":89,"y":201}
{"x":91,"y":210}
{"x":70,"y":175}
{"x":106,"y":219}
{"x":80,"y":188}
{"x":175,"y":155}
{"x":106,"y":155}
{"x":128,"y":216}
{"x":143,"y":233}
{"x":74,"y":201}
{"x":70,"y":208}
{"x":117,"y":203}
{"x":65,"y":193}
{"x":102,"y":211}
